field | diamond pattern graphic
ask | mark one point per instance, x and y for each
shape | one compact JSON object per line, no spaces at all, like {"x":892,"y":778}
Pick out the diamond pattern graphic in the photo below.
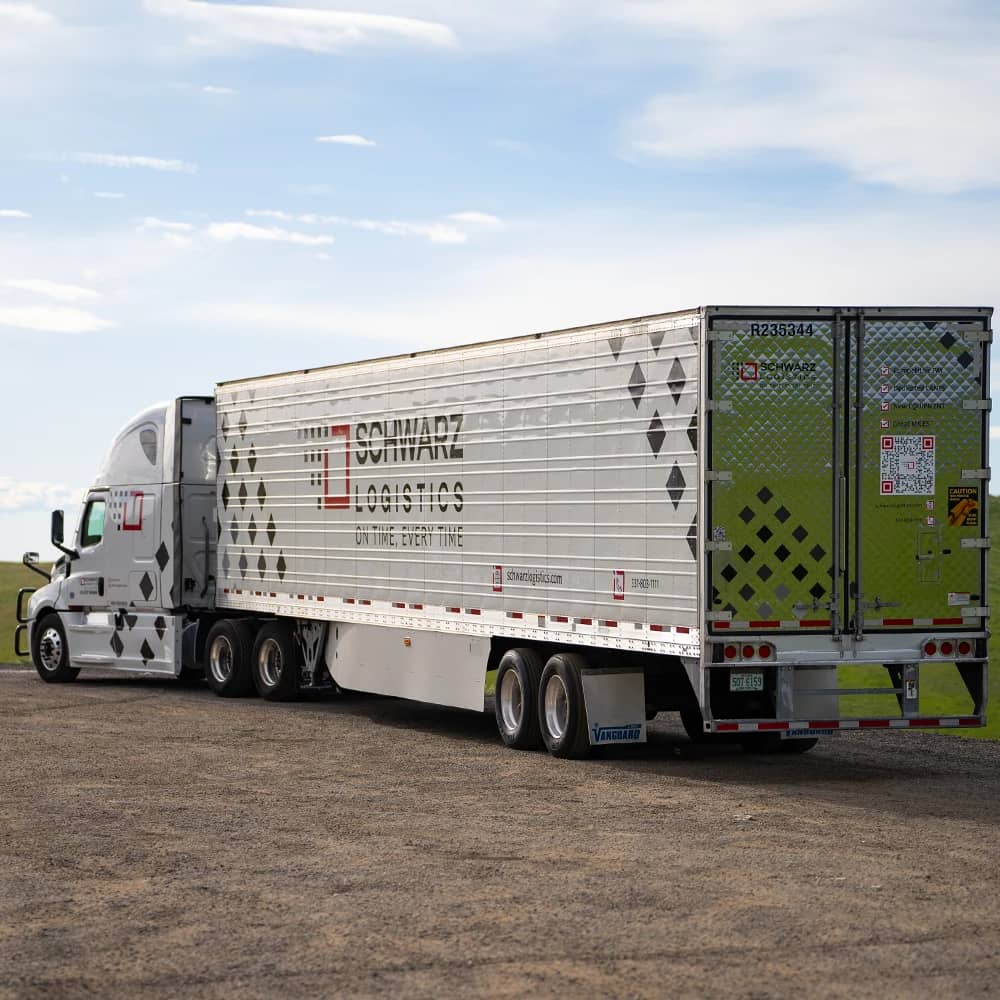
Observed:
{"x":261,"y":494}
{"x":746,"y":553}
{"x":243,"y":564}
{"x":947,"y":340}
{"x":243,"y":424}
{"x":965,"y":359}
{"x":116,"y":644}
{"x":692,"y":539}
{"x":262,"y":565}
{"x":162,"y":556}
{"x":637,"y":385}
{"x":145,"y":586}
{"x":616,"y":343}
{"x":676,"y":380}
{"x":655,"y":434}
{"x":225,"y":496}
{"x":746,"y":515}
{"x":146,"y":652}
{"x":729,"y":573}
{"x":160,"y":625}
{"x":243,"y":494}
{"x":234,"y":459}
{"x":252,"y":529}
{"x":225,"y":563}
{"x":281,"y":566}
{"x":764,"y":495}
{"x":131,"y":620}
{"x":746,"y":591}
{"x":692,"y":433}
{"x":234,"y":528}
{"x":800,"y":534}
{"x":225,"y":426}
{"x":656,"y":339}
{"x":252,"y":458}
{"x":676,"y":485}
{"x":271,"y":532}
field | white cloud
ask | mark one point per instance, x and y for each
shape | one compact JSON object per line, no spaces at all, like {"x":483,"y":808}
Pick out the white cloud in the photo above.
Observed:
{"x":51,"y":319}
{"x":511,"y":145}
{"x":13,"y":213}
{"x":54,"y":290}
{"x":153,"y":223}
{"x":435,"y":232}
{"x":129,"y":161}
{"x":109,"y":195}
{"x":346,"y":140}
{"x":25,"y":14}
{"x":16,"y":495}
{"x":483,"y":219}
{"x":313,"y":30}
{"x":209,"y":88}
{"x":227,"y":232}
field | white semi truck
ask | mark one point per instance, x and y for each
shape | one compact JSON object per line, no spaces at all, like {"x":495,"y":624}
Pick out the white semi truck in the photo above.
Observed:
{"x":708,"y":511}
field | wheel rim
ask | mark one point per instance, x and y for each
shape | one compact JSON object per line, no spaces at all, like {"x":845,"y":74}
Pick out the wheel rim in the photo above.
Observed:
{"x":50,"y":649}
{"x":556,"y":707}
{"x":270,"y":662}
{"x":221,"y":659}
{"x":511,"y":701}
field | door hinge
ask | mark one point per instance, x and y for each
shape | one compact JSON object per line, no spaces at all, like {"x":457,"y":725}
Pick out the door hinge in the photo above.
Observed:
{"x":977,"y":404}
{"x":719,"y":616}
{"x":718,"y":476}
{"x":975,"y":543}
{"x":718,"y":546}
{"x":977,"y":336}
{"x":975,"y":612}
{"x":976,"y":473}
{"x":719,"y":405}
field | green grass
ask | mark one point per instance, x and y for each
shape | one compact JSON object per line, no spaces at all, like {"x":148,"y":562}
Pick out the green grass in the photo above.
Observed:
{"x":13,"y":576}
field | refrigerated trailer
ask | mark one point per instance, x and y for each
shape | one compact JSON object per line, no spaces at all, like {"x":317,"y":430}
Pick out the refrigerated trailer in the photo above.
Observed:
{"x":708,"y":511}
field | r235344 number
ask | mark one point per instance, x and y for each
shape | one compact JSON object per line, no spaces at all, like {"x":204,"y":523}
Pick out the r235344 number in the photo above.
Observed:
{"x":781,"y":329}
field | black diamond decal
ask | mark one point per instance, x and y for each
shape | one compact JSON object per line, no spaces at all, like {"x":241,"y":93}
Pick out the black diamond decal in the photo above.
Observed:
{"x":225,"y":563}
{"x":965,"y":359}
{"x":243,"y":494}
{"x":800,"y":572}
{"x":131,"y":620}
{"x":225,"y":496}
{"x":676,"y":380}
{"x":947,"y":340}
{"x":747,"y":553}
{"x":252,"y":529}
{"x":782,"y":553}
{"x":261,"y":494}
{"x":146,"y":652}
{"x":764,"y":494}
{"x":655,"y":435}
{"x":162,"y":556}
{"x":692,"y":433}
{"x":656,"y":339}
{"x":225,"y":426}
{"x":234,"y":528}
{"x":243,"y":564}
{"x":116,"y":644}
{"x":218,"y":528}
{"x":765,"y":533}
{"x":243,"y":424}
{"x":746,"y":591}
{"x":930,"y":323}
{"x":271,"y":530}
{"x":746,"y":515}
{"x":252,"y":457}
{"x":729,"y":573}
{"x":817,"y":552}
{"x":637,"y":384}
{"x":615,"y":343}
{"x":146,"y":586}
{"x":765,"y":573}
{"x":692,"y":539}
{"x":781,"y":591}
{"x":281,"y":565}
{"x":765,"y":610}
{"x":782,"y":515}
{"x":675,"y":485}
{"x":817,"y":591}
{"x":234,"y":459}
{"x":261,"y":565}
{"x":161,"y":626}
{"x":800,"y":534}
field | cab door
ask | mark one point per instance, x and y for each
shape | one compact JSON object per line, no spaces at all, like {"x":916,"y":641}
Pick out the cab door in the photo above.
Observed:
{"x":86,"y":587}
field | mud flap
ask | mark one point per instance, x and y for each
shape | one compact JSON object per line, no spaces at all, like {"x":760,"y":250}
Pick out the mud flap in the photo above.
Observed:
{"x":616,"y":706}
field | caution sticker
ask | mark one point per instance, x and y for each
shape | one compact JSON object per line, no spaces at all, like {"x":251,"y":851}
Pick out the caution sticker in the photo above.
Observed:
{"x":963,"y":506}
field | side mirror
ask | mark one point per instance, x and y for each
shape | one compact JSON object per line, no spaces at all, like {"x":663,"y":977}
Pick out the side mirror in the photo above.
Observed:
{"x":30,"y":559}
{"x":57,"y":528}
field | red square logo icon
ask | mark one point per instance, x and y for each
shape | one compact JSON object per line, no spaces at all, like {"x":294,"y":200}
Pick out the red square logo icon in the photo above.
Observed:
{"x":888,"y":443}
{"x":749,"y":371}
{"x":886,"y":486}
{"x":927,"y":443}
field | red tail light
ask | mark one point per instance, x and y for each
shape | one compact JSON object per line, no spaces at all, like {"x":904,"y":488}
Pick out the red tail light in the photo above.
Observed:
{"x":731,"y":652}
{"x":930,"y":648}
{"x":946,"y":648}
{"x":765,"y":651}
{"x":964,"y":648}
{"x":748,"y":652}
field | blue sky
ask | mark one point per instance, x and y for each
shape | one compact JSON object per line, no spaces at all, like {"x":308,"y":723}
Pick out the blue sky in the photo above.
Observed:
{"x":169,"y":216}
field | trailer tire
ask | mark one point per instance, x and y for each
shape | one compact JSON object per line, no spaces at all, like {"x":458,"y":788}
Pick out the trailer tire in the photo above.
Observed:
{"x":515,"y":702}
{"x":562,"y":715}
{"x":228,"y":650}
{"x":275,"y":662}
{"x":773,"y":743}
{"x":50,"y":651}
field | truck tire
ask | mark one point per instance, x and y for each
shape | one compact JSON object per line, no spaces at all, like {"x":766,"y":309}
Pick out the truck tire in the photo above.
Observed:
{"x":516,"y":700}
{"x":275,"y":662}
{"x":50,"y":651}
{"x":562,"y":715}
{"x":228,"y":651}
{"x":773,"y":743}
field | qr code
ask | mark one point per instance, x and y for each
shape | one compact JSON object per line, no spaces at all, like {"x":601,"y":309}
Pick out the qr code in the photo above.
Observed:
{"x":906,"y":465}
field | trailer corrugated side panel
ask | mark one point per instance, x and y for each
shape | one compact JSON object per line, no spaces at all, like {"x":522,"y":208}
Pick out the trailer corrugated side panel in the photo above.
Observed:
{"x":550,"y":478}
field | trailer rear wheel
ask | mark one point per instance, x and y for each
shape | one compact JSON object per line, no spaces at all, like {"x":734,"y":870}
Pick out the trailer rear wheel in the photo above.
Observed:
{"x":516,"y":699}
{"x":562,"y":714}
{"x":228,"y":649}
{"x":50,"y":651}
{"x":276,"y":662}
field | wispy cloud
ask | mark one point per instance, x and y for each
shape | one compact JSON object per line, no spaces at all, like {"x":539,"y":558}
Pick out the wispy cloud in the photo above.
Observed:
{"x":109,"y":195}
{"x":511,"y":146}
{"x":227,"y":232}
{"x":52,"y":319}
{"x":151,"y":222}
{"x":13,"y":213}
{"x":346,"y":140}
{"x":483,"y":219}
{"x":209,"y":88}
{"x":55,"y":290}
{"x":130,"y":161}
{"x":25,"y":14}
{"x":18,"y":495}
{"x":305,"y":28}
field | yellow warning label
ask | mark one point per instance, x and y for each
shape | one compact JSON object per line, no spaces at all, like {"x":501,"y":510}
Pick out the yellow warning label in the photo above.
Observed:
{"x":963,"y":506}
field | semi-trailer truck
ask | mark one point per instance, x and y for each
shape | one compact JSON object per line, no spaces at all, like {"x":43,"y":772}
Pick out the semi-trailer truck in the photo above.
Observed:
{"x":707,"y":511}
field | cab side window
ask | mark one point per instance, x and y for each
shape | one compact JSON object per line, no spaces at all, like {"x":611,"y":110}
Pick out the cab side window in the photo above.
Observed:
{"x":93,"y":524}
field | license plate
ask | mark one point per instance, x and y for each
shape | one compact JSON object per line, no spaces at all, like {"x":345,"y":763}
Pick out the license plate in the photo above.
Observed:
{"x":746,"y":680}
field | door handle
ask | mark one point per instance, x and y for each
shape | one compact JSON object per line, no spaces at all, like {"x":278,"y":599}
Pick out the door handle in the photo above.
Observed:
{"x":100,"y":586}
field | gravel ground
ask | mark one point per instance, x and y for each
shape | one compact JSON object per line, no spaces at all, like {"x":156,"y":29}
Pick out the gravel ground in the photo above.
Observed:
{"x":157,"y":841}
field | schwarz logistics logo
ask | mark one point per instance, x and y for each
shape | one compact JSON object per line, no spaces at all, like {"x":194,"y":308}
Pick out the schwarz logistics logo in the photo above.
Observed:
{"x":340,"y":449}
{"x":630,"y":732}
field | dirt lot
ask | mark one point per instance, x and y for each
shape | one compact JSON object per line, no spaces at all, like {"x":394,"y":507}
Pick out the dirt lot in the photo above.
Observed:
{"x":158,"y":841}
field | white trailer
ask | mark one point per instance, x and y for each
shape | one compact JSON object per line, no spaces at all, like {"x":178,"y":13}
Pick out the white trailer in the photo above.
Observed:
{"x":707,"y":511}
